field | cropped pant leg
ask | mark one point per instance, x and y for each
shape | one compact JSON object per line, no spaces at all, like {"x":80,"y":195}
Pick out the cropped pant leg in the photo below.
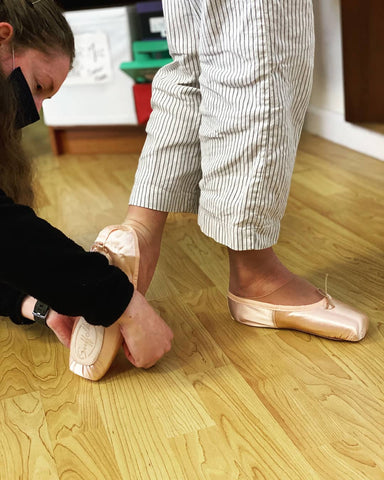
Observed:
{"x":169,"y":170}
{"x":234,"y":136}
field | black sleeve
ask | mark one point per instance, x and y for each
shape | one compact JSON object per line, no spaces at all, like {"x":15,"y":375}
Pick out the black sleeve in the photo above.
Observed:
{"x":10,"y":304}
{"x":38,"y":259}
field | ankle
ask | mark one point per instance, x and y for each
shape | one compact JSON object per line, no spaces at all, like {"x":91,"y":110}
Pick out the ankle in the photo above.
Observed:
{"x":149,"y":222}
{"x":149,"y":226}
{"x":260,"y":275}
{"x":256,"y":273}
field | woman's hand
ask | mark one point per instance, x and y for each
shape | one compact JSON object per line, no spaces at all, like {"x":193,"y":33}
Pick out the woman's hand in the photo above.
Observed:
{"x":146,"y":336}
{"x":62,"y":326}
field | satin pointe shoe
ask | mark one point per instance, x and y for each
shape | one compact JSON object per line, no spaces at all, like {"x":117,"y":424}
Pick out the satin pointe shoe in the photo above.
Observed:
{"x":327,"y":318}
{"x":93,"y":348}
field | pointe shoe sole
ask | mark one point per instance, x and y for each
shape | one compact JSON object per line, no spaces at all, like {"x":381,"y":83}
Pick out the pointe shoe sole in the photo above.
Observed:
{"x":327,"y":318}
{"x":93,"y":348}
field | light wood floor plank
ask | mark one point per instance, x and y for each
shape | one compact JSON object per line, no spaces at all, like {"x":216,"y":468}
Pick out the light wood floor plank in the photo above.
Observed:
{"x":141,"y":448}
{"x":205,"y":455}
{"x":25,"y":446}
{"x":195,"y":350}
{"x":86,"y":456}
{"x":71,"y":409}
{"x":258,"y":442}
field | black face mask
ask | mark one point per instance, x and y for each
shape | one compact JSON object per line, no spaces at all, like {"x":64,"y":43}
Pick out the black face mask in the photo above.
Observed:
{"x":26,"y":109}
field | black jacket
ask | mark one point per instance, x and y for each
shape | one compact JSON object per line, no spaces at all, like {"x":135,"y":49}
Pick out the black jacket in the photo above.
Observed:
{"x":37,"y":259}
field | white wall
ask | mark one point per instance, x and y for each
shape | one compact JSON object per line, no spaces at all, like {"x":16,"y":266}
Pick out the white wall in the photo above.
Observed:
{"x":325,"y":116}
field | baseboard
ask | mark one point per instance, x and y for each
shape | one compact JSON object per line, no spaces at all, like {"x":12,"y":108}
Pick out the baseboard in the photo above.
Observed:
{"x":333,"y":127}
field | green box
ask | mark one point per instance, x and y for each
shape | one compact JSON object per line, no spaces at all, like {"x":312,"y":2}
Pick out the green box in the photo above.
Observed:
{"x":148,"y":57}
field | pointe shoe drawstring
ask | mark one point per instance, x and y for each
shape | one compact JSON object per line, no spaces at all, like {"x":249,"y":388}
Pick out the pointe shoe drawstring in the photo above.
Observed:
{"x":324,"y":292}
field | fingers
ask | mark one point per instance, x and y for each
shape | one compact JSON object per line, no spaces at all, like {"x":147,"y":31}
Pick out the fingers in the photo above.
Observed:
{"x":145,"y":356}
{"x":128,"y":355}
{"x":147,"y":337}
{"x":143,"y":346}
{"x":150,"y":354}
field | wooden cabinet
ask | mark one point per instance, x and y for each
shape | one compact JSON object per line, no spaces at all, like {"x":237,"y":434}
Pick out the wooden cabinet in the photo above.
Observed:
{"x":363,"y":60}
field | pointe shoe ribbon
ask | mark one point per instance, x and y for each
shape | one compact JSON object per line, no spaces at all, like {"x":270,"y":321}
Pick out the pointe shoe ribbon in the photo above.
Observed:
{"x":93,"y":348}
{"x":327,"y":318}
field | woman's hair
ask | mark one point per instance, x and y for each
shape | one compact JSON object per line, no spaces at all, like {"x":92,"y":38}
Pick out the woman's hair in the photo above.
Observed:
{"x":15,"y":167}
{"x":39,"y":25}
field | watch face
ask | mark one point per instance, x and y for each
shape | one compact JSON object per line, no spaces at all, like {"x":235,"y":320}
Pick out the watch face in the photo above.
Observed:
{"x":41,"y":309}
{"x":40,"y":312}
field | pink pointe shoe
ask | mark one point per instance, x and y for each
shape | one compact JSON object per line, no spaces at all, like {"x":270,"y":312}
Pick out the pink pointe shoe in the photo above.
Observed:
{"x":327,"y":318}
{"x":93,"y":348}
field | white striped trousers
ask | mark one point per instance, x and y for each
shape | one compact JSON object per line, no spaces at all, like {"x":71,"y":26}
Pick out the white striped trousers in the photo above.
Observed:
{"x":227,"y":116}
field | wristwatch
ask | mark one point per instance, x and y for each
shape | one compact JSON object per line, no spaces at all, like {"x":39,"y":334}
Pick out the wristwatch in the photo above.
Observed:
{"x":40,"y":312}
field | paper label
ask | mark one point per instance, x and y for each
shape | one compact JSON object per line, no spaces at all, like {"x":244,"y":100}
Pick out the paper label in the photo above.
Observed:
{"x":92,"y":64}
{"x":157,"y":25}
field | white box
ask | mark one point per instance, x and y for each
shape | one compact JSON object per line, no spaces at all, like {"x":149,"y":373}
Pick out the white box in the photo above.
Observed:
{"x":97,"y":92}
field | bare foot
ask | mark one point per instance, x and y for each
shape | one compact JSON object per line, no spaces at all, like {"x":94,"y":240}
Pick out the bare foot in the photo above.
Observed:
{"x":259,"y":275}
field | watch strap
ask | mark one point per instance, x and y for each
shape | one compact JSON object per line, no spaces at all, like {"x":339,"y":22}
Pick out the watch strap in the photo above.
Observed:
{"x":40,"y":312}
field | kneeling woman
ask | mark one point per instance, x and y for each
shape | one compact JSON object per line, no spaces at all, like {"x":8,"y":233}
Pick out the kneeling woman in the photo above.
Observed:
{"x":37,"y":261}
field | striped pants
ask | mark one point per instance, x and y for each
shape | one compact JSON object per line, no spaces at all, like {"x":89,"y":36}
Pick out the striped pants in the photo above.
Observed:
{"x":227,"y":116}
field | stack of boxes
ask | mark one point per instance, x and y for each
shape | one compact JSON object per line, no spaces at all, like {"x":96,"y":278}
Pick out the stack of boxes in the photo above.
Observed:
{"x":149,"y":54}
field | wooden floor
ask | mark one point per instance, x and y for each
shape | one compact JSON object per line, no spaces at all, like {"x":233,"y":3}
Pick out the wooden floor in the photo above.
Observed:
{"x":229,"y":401}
